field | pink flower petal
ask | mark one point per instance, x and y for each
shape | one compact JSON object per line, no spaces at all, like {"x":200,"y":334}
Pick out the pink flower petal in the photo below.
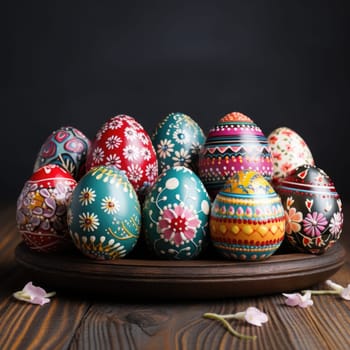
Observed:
{"x":33,"y":291}
{"x":255,"y":317}
{"x":345,"y":293}
{"x":296,"y":299}
{"x":33,"y":294}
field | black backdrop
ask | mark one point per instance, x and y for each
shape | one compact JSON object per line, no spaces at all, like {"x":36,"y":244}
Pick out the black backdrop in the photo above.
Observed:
{"x":283,"y":63}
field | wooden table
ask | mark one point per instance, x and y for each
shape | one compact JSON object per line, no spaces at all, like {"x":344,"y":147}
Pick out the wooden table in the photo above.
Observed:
{"x":85,"y":322}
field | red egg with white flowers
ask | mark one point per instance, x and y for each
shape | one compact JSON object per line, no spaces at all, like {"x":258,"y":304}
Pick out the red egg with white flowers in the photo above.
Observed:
{"x":41,"y":213}
{"x":124,"y":143}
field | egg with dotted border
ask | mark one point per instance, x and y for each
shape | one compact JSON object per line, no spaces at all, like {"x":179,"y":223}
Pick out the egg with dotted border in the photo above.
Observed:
{"x":247,"y":218}
{"x":235,"y":143}
{"x":104,"y":214}
{"x":175,"y":215}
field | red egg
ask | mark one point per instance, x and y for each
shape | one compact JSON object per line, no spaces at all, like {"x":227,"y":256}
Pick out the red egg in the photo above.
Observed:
{"x":123,"y":142}
{"x":42,"y":209}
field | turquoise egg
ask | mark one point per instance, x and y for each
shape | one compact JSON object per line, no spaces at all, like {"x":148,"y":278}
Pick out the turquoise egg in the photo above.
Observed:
{"x":177,"y":141}
{"x":104,"y":214}
{"x":175,"y":215}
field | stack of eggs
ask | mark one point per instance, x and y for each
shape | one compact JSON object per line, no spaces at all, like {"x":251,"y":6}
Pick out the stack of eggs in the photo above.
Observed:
{"x":178,"y":191}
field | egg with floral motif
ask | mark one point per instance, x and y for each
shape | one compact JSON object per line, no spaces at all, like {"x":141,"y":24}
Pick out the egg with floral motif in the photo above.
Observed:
{"x":41,"y":212}
{"x":177,"y":140}
{"x":175,"y":215}
{"x":104,"y":214}
{"x":235,"y":143}
{"x":247,"y":218}
{"x":288,"y":151}
{"x":67,"y":147}
{"x":313,"y":209}
{"x":122,"y":142}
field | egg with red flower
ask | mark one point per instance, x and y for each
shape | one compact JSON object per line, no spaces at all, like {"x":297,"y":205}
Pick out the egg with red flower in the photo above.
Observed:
{"x":122,"y":142}
{"x":175,"y":215}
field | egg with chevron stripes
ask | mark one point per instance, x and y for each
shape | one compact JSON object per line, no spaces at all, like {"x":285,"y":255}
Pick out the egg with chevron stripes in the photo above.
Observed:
{"x":235,"y":143}
{"x":247,"y":219}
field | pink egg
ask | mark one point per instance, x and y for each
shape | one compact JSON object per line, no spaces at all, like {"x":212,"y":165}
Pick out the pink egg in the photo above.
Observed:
{"x":123,"y":142}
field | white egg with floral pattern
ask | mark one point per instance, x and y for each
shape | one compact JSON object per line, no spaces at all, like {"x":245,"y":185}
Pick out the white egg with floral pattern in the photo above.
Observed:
{"x":175,"y":215}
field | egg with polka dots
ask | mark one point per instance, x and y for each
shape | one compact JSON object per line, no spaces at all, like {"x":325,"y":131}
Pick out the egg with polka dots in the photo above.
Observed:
{"x":175,"y":215}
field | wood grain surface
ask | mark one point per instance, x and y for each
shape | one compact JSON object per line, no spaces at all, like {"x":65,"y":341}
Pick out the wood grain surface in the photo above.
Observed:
{"x":82,"y":321}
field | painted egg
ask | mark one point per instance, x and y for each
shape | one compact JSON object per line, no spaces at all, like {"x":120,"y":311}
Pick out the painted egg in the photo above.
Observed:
{"x":124,"y":143}
{"x":41,"y":213}
{"x":175,"y":215}
{"x":67,"y":147}
{"x":104,"y":214}
{"x":288,"y":151}
{"x":177,"y":141}
{"x":247,"y":218}
{"x":313,"y":209}
{"x":235,"y":143}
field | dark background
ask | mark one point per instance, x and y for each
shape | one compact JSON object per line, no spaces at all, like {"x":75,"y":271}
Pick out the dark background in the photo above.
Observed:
{"x":283,"y":63}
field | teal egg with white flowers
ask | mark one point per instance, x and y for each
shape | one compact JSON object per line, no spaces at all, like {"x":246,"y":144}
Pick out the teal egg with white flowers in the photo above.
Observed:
{"x":104,"y":214}
{"x":177,"y":140}
{"x":175,"y":215}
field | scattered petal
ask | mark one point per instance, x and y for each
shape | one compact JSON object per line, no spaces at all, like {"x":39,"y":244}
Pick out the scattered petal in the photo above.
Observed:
{"x":255,"y":317}
{"x":296,"y":299}
{"x":33,"y":294}
{"x":345,"y":293}
{"x":252,"y":315}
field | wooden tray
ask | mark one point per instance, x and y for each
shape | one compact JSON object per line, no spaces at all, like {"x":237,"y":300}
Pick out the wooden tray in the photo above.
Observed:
{"x":196,"y":279}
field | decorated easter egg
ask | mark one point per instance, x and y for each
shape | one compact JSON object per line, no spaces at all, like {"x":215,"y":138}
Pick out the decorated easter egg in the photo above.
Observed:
{"x":41,"y":213}
{"x":177,"y":141}
{"x":288,"y":151}
{"x":235,"y":143}
{"x":313,"y":209}
{"x":104,"y":215}
{"x":247,"y":218}
{"x":123,"y":143}
{"x":67,"y":147}
{"x":175,"y":215}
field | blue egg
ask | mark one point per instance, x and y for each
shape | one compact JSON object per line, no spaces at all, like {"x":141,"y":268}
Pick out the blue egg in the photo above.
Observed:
{"x":104,"y":214}
{"x":175,"y":215}
{"x":67,"y":147}
{"x":178,"y":140}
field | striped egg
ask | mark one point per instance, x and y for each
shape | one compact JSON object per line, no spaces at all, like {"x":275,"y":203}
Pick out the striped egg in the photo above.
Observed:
{"x":235,"y":143}
{"x":247,"y":218}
